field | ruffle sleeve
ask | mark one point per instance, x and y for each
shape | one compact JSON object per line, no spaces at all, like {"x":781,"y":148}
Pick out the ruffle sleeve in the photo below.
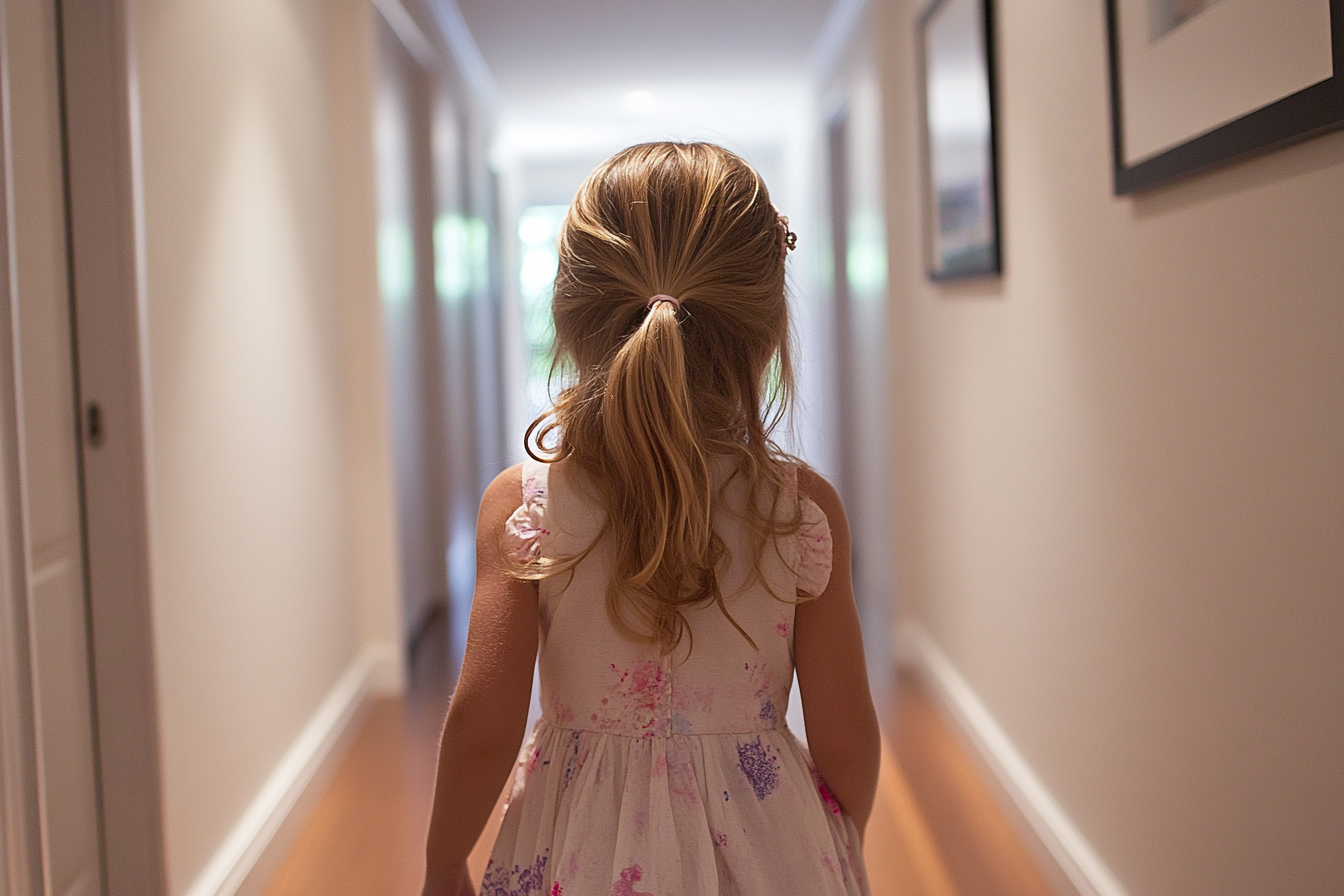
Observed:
{"x":524,"y":529}
{"x":814,"y":548}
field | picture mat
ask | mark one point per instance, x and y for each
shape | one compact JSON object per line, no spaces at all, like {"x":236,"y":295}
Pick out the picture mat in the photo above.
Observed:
{"x":1231,"y":59}
{"x":1165,"y":16}
{"x":962,"y":236}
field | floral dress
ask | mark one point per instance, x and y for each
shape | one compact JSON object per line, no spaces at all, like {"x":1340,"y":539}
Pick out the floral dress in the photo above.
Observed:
{"x":676,"y":775}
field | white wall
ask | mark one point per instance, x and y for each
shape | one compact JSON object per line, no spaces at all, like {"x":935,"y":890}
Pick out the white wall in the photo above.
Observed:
{"x":1120,"y":475}
{"x":273,"y":545}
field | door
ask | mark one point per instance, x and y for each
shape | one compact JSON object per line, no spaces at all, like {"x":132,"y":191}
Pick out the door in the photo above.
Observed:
{"x":51,"y":811}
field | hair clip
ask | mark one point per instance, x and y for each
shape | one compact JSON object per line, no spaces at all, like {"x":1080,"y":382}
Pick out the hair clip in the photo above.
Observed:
{"x":788,"y":240}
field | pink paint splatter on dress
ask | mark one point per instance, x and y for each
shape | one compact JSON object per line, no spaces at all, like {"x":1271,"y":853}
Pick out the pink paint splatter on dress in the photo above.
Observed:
{"x":564,"y":714}
{"x":635,"y":701}
{"x":783,"y":629}
{"x":626,"y":885}
{"x":682,"y":778}
{"x":555,"y":890}
{"x":853,"y":865}
{"x":828,"y":798}
{"x":534,"y":490}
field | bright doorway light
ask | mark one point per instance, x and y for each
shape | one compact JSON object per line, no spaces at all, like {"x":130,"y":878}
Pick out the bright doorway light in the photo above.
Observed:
{"x":538,"y":231}
{"x":638,"y":100}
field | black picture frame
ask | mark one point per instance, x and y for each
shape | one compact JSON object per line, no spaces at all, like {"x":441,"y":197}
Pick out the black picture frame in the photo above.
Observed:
{"x":1298,"y":116}
{"x":959,"y":210}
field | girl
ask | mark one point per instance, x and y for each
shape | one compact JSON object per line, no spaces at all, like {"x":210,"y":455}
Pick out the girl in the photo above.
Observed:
{"x":674,"y":567}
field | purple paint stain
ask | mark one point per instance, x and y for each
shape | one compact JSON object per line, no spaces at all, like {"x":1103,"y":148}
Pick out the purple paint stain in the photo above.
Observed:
{"x":759,"y":767}
{"x":768,"y":710}
{"x":521,"y":881}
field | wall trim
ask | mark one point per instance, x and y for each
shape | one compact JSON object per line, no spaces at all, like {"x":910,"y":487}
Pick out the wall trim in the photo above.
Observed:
{"x":1073,"y":862}
{"x":258,"y":843}
{"x":466,"y":53}
{"x":838,"y":29}
{"x":408,"y":31}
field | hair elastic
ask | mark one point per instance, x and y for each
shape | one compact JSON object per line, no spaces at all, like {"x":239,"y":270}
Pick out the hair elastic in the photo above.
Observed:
{"x":676,"y":305}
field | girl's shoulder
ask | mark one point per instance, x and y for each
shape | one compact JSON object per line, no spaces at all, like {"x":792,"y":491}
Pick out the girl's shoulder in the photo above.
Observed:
{"x":815,"y":487}
{"x":503,"y":492}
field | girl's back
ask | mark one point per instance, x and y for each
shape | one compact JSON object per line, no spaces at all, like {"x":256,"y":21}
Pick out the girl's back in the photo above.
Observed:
{"x":654,"y":564}
{"x":671,"y":773}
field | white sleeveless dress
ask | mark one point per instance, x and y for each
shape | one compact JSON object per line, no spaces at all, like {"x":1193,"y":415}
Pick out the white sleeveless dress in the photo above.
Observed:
{"x":676,"y":775}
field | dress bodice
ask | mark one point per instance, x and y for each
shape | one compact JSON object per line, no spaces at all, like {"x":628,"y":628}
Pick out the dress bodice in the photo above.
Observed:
{"x":595,"y":678}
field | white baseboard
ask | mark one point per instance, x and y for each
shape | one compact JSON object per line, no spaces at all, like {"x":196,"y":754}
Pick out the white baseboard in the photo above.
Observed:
{"x":1076,"y":864}
{"x":254,"y":849}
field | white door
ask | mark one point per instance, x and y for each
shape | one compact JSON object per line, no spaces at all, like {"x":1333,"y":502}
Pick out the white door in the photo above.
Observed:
{"x":48,"y":688}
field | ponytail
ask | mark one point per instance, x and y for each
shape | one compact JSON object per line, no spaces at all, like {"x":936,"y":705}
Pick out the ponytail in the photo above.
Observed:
{"x":666,"y":546}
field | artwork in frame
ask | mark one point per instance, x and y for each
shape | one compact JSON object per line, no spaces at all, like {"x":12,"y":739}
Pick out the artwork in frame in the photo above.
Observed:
{"x":956,"y":50}
{"x":1197,"y":83}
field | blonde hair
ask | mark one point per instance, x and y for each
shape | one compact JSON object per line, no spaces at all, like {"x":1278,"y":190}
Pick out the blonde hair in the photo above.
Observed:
{"x":658,"y":389}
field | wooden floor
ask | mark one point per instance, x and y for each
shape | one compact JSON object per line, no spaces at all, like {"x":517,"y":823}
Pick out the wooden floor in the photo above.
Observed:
{"x":936,"y":828}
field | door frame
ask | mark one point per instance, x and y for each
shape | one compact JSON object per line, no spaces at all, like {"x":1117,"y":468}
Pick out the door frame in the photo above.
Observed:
{"x":20,"y":821}
{"x":103,"y":188}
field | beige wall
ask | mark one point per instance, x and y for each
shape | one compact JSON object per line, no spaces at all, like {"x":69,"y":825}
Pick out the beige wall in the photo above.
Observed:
{"x":1120,"y":475}
{"x":272,"y":527}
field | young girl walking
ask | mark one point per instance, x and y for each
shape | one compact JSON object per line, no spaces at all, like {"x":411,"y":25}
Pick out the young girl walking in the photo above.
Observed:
{"x":674,"y":569}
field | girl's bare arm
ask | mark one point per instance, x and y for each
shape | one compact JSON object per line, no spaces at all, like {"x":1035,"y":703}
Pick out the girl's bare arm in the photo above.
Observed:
{"x":842,"y":732}
{"x":488,"y":714}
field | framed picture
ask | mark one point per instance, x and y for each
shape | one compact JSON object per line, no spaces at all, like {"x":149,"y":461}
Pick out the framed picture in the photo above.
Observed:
{"x":956,"y":50}
{"x":1195,"y":83}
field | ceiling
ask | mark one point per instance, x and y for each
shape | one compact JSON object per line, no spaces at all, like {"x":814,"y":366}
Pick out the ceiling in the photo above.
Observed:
{"x":575,"y":74}
{"x":529,"y":44}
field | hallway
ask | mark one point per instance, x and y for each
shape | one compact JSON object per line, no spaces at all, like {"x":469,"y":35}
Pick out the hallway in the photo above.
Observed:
{"x":1067,"y":309}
